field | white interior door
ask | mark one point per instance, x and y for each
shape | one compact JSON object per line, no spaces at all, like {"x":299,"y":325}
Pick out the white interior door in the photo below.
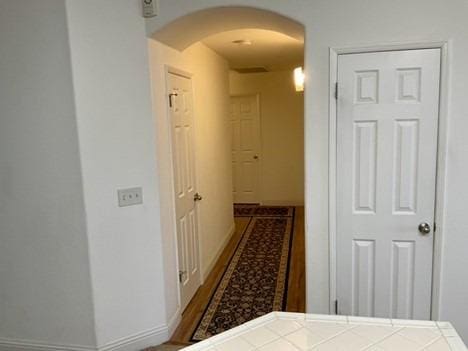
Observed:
{"x":245,"y":123}
{"x":181,"y":115}
{"x":386,"y":178}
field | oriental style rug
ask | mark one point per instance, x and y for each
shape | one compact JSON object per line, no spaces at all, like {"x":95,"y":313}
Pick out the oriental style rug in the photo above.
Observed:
{"x":256,"y":279}
{"x":247,"y":210}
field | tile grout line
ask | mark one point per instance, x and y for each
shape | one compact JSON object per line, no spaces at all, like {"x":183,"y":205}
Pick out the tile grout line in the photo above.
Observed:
{"x":431,"y":343}
{"x":384,"y":338}
{"x":350,"y":328}
{"x":424,"y":346}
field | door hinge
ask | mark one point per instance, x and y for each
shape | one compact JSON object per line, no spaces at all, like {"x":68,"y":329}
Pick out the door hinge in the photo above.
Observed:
{"x":170,"y":98}
{"x":336,"y":90}
{"x":181,"y":275}
{"x":336,"y":306}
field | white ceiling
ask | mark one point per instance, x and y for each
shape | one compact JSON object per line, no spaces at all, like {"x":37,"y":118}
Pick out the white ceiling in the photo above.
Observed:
{"x":273,"y":50}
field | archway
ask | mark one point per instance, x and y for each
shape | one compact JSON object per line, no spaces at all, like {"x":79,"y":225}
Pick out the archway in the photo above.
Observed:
{"x":184,"y":31}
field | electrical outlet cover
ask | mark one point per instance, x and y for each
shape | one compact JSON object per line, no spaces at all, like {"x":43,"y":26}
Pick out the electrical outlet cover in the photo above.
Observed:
{"x":130,"y":196}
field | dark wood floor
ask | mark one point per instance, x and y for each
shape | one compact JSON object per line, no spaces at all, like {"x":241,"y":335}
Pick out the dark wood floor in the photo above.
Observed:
{"x":296,"y":283}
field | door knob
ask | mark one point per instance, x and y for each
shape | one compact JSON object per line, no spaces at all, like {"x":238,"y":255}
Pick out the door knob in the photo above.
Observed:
{"x":424,"y":228}
{"x":181,"y":275}
{"x":197,"y":197}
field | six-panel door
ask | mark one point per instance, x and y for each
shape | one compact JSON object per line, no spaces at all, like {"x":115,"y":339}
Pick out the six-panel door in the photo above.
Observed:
{"x":245,"y":129}
{"x":181,"y":115}
{"x":386,"y":177}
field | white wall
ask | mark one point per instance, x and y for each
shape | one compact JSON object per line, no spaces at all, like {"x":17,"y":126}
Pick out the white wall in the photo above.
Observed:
{"x":282,"y":134}
{"x":109,"y":60}
{"x":212,"y":154}
{"x":45,"y":287}
{"x":75,"y":269}
{"x":339,"y":23}
{"x":117,"y":146}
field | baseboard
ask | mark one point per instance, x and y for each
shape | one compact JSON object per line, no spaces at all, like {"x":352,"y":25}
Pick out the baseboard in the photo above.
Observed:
{"x":7,"y":344}
{"x":138,"y":341}
{"x":282,"y":203}
{"x":173,"y":323}
{"x":221,"y":248}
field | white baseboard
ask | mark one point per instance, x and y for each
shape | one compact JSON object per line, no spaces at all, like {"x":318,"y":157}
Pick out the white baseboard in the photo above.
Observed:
{"x":135,"y":342}
{"x":138,"y":341}
{"x":225,"y":241}
{"x":7,"y":344}
{"x":282,"y":203}
{"x":173,"y":323}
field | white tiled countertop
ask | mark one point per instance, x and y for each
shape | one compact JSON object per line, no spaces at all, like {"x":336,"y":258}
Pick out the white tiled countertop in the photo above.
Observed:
{"x":283,"y":331}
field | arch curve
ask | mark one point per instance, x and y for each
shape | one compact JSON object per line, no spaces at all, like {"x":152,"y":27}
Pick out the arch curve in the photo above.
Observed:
{"x":193,"y":27}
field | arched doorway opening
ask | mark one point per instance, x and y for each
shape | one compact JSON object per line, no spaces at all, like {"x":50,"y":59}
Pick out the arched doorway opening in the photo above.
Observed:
{"x":186,"y":67}
{"x":184,"y":31}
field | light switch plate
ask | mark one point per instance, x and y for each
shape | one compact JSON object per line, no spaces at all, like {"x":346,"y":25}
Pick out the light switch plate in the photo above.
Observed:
{"x":150,"y":8}
{"x":130,"y":196}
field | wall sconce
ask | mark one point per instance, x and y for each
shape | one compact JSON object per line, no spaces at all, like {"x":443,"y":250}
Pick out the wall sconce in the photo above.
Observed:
{"x":299,"y":79}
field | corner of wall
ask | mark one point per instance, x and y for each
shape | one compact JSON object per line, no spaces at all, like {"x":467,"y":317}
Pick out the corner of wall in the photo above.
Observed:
{"x":219,"y":251}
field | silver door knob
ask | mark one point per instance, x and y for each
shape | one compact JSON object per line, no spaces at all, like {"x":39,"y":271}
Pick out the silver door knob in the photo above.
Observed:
{"x":424,"y":228}
{"x":197,"y":197}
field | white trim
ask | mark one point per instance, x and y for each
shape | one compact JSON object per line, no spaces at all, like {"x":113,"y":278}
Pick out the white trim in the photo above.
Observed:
{"x":442,"y":149}
{"x":332,"y":178}
{"x":168,"y":69}
{"x":260,"y":143}
{"x":176,"y":71}
{"x":149,"y":337}
{"x":137,"y":341}
{"x":390,"y":47}
{"x":174,"y":322}
{"x":210,"y":266}
{"x":7,"y":344}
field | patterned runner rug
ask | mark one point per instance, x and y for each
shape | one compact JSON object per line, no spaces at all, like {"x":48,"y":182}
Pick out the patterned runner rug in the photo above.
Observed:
{"x":256,"y":279}
{"x":247,"y":210}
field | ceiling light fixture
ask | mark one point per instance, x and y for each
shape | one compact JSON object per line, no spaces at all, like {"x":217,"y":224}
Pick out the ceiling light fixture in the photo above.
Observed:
{"x":242,"y":42}
{"x":299,"y":79}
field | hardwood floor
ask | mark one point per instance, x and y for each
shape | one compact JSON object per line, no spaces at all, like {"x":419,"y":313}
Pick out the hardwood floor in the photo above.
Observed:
{"x":296,"y":285}
{"x":296,"y":280}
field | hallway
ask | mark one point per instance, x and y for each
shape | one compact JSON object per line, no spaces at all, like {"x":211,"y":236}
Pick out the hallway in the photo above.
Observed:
{"x":295,"y":292}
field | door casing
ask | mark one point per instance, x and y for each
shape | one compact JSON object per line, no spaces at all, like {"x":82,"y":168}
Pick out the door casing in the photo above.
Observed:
{"x":172,"y":70}
{"x":260,"y":142}
{"x":442,"y":149}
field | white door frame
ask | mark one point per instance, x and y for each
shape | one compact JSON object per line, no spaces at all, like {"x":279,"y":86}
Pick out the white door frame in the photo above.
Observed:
{"x":442,"y":149}
{"x":260,"y":142}
{"x":173,"y":70}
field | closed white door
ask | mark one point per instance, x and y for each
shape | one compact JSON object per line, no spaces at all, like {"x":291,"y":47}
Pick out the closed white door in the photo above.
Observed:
{"x":181,"y":115}
{"x":386,"y":178}
{"x":245,"y":123}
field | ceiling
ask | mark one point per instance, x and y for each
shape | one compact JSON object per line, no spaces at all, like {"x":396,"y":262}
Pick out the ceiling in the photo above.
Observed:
{"x":273,"y":50}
